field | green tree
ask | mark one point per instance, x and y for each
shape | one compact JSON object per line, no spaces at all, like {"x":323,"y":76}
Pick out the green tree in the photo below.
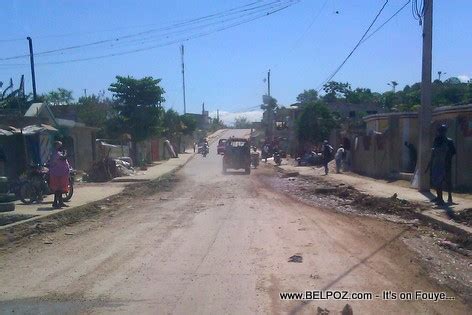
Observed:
{"x":188,"y":123}
{"x":335,"y":91}
{"x":307,"y":96}
{"x":242,"y":122}
{"x":94,"y":111}
{"x":315,"y":122}
{"x":60,"y":96}
{"x":138,"y":107}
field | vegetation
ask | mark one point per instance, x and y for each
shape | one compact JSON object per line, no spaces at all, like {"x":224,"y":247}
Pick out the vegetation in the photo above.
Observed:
{"x":138,"y":109}
{"x":242,"y":122}
{"x":449,"y":92}
{"x":315,"y":122}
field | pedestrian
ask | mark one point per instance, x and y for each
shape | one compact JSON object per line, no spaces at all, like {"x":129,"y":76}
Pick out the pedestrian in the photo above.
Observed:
{"x":265,"y":152}
{"x":339,"y":158}
{"x":58,"y":175}
{"x":440,"y":165}
{"x":327,"y":155}
{"x":412,"y":154}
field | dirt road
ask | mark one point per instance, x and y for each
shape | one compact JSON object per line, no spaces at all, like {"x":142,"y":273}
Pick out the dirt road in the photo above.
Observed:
{"x":214,"y":244}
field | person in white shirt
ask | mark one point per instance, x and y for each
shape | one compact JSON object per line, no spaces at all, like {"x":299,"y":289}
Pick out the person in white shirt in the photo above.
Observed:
{"x":339,"y":157}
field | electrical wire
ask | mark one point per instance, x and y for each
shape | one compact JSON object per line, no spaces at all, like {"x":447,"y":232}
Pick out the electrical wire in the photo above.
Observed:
{"x":320,"y":87}
{"x":386,"y":21}
{"x":237,"y":10}
{"x":125,"y":28}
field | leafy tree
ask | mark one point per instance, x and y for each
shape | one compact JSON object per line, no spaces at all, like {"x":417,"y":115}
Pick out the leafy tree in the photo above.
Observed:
{"x":335,"y":90}
{"x":308,"y":96}
{"x":60,"y":96}
{"x":94,"y":111}
{"x":360,"y":96}
{"x":171,"y":123}
{"x":188,"y":123}
{"x":138,"y":107}
{"x":242,"y":122}
{"x":315,"y":122}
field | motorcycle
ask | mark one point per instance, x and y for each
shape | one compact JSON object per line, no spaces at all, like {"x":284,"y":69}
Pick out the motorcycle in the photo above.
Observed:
{"x":36,"y":185}
{"x":277,"y":158}
{"x":205,"y":150}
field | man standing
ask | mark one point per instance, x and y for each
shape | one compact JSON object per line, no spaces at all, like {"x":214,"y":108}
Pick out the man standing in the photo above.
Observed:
{"x":440,"y":165}
{"x":327,"y":155}
{"x":339,"y":157}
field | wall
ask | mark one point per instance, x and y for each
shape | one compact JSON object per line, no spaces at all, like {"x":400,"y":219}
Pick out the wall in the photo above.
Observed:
{"x":381,"y":151}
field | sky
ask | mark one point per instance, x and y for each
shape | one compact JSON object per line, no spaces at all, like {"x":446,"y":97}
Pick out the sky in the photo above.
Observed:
{"x":301,"y":44}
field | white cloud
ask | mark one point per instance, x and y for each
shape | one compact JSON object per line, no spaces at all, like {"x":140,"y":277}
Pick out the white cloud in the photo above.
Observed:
{"x":228,"y":117}
{"x":464,"y":78}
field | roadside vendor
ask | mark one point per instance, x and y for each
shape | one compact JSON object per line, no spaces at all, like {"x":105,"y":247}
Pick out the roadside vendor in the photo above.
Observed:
{"x":58,"y":175}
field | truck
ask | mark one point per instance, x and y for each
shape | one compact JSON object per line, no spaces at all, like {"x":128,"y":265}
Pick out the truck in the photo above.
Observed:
{"x":237,"y":155}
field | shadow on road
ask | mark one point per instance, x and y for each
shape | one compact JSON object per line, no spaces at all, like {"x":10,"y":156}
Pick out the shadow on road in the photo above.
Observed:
{"x":301,"y":305}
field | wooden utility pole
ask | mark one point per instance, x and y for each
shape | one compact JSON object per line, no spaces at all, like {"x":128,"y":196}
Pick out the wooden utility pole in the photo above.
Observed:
{"x":33,"y":77}
{"x":425,"y":113}
{"x":183,"y":77}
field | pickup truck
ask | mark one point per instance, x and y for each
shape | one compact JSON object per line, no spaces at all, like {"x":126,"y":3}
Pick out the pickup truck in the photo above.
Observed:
{"x":237,"y":155}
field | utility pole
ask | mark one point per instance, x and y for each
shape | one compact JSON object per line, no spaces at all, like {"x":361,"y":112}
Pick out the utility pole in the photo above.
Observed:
{"x":268,"y":82}
{"x":425,"y":113}
{"x":33,"y":77}
{"x":183,"y":76}
{"x":218,"y":115}
{"x":85,"y":92}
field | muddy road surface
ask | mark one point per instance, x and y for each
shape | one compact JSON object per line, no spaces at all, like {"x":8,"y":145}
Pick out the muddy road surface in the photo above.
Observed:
{"x":216,"y":244}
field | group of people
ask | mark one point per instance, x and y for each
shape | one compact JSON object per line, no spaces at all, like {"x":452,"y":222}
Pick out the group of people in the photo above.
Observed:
{"x":439,"y":167}
{"x":339,"y":156}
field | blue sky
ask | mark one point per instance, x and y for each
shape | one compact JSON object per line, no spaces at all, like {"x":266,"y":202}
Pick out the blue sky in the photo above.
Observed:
{"x":226,"y":69}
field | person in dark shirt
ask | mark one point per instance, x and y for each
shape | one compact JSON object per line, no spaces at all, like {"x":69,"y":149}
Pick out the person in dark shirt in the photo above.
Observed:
{"x":440,"y":164}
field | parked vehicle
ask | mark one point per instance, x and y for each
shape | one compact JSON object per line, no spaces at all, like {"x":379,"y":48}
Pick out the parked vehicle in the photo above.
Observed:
{"x":220,"y":149}
{"x":36,"y":185}
{"x":237,"y":155}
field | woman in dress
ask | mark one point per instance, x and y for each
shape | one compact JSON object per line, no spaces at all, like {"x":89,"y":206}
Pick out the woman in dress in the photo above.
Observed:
{"x":58,"y":175}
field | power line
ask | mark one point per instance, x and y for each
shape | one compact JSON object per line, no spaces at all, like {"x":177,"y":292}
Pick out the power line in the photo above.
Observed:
{"x":125,"y":28}
{"x":354,"y":49}
{"x":238,"y":10}
{"x":194,"y":36}
{"x":388,"y":20}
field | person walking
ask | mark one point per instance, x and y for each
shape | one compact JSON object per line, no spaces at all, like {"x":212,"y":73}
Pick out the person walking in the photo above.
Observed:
{"x":58,"y":175}
{"x":327,"y":155}
{"x":440,"y":165}
{"x":339,"y":158}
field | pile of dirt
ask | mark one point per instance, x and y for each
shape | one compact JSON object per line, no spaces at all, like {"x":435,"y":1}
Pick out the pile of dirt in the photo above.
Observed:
{"x":464,"y":217}
{"x":366,"y":203}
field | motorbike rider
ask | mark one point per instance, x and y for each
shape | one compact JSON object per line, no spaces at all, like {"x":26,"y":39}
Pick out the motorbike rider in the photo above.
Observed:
{"x":58,"y":175}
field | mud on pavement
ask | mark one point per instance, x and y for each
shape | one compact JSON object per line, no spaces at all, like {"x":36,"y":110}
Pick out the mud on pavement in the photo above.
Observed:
{"x":30,"y":229}
{"x":443,"y":256}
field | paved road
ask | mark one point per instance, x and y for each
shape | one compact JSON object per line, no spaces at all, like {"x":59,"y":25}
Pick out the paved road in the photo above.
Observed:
{"x":214,"y":244}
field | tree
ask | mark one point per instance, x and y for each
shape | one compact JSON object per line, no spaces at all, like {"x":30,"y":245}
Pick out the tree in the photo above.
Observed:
{"x":171,"y":123}
{"x":360,"y":96}
{"x":315,"y":122}
{"x":188,"y":123}
{"x":93,"y":110}
{"x":138,"y":107}
{"x":60,"y":96}
{"x":335,"y":90}
{"x":242,"y":122}
{"x":307,"y":96}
